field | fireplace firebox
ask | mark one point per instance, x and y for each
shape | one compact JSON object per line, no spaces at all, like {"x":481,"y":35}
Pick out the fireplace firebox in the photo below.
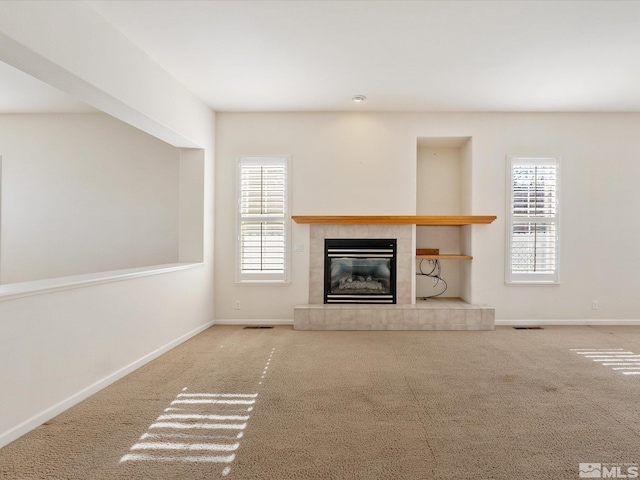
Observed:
{"x":360,"y":270}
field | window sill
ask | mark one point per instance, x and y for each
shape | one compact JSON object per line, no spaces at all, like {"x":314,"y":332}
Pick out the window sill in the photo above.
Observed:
{"x":532,"y":284}
{"x":263,"y":283}
{"x":13,"y":291}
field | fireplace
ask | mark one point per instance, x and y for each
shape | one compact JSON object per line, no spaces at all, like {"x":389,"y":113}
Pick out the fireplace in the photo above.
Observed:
{"x":360,"y":270}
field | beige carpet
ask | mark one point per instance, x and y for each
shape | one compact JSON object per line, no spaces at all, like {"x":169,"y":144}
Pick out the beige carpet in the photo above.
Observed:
{"x":283,"y":404}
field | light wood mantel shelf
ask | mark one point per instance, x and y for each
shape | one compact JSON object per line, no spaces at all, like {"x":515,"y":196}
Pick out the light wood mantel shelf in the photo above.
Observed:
{"x":421,"y":220}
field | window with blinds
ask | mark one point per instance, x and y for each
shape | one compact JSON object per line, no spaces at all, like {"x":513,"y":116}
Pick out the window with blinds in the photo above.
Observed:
{"x":533,"y":243}
{"x":263,"y":219}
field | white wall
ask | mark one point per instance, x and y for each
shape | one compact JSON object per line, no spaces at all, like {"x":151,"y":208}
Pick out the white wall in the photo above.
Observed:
{"x":599,"y":198}
{"x":58,"y":347}
{"x":84,"y":193}
{"x":341,"y":164}
{"x":350,"y":164}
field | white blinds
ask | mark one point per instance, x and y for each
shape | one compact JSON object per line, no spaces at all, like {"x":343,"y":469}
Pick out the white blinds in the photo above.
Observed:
{"x":262,"y":246}
{"x":534,"y":190}
{"x":262,"y":222}
{"x":533,"y":248}
{"x":533,"y":236}
{"x":262,"y":189}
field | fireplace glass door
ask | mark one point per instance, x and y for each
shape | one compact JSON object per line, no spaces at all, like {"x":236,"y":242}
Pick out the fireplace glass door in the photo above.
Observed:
{"x":360,"y":270}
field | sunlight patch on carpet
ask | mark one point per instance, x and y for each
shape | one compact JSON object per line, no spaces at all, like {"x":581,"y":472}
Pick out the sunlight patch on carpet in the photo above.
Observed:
{"x":180,"y":437}
{"x":619,"y":359}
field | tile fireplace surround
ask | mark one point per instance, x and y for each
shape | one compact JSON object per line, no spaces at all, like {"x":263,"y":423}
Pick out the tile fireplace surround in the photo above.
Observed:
{"x":434,"y":314}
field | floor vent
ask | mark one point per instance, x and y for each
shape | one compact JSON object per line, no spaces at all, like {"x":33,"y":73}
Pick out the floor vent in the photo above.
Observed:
{"x":257,"y":326}
{"x":528,"y":328}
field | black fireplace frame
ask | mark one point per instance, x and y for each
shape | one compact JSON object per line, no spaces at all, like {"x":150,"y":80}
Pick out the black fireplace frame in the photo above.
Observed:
{"x":354,"y":248}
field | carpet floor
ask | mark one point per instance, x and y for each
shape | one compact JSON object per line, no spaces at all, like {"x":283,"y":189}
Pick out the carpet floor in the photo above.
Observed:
{"x":282,"y":404}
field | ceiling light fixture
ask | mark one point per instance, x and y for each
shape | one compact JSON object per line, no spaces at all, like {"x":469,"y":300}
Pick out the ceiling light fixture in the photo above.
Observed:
{"x":359,"y":98}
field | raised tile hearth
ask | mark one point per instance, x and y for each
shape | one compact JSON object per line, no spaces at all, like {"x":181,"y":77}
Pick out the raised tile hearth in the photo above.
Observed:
{"x":432,"y":314}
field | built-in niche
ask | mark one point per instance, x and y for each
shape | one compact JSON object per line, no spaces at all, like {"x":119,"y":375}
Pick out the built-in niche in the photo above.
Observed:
{"x":444,"y":188}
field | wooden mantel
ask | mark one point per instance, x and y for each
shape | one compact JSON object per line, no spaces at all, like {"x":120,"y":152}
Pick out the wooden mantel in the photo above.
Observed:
{"x":421,"y":220}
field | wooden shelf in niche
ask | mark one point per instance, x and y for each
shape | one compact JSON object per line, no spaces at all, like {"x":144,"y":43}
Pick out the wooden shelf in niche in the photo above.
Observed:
{"x":444,"y":257}
{"x":420,"y":220}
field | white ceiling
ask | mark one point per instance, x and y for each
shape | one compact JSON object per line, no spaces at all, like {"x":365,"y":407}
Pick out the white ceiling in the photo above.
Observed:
{"x":307,"y":55}
{"x":403,"y":55}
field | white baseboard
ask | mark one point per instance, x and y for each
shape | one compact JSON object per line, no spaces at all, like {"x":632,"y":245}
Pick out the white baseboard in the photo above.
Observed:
{"x":575,"y":322}
{"x":253,"y":321}
{"x":38,"y":419}
{"x":503,"y":322}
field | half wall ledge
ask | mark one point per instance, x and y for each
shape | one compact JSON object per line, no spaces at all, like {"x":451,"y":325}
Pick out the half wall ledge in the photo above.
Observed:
{"x":12,"y":291}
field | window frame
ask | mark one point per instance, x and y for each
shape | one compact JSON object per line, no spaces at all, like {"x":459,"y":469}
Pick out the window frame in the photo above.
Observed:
{"x":532,"y":279}
{"x":263,"y":277}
